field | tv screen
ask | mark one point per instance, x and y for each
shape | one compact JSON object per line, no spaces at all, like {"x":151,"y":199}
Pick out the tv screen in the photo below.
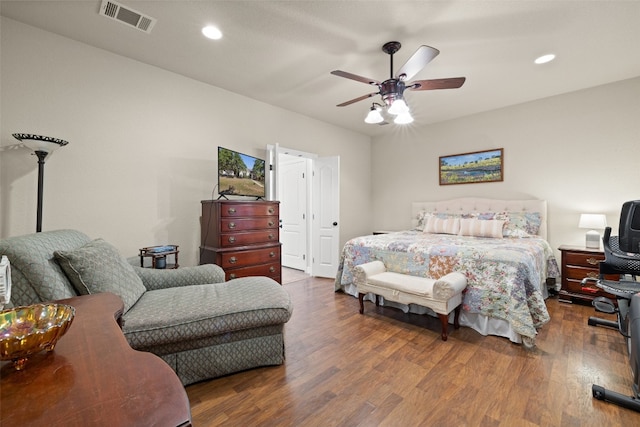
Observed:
{"x":240,"y":174}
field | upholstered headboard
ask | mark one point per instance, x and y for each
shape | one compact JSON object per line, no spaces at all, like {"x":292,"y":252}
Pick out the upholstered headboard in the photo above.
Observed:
{"x":475,"y":204}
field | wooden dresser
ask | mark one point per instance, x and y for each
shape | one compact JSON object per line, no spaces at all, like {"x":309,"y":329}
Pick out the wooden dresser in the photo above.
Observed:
{"x":577,"y":263}
{"x":242,"y":237}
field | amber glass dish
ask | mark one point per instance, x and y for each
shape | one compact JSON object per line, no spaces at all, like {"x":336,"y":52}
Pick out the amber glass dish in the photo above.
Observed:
{"x":28,"y":330}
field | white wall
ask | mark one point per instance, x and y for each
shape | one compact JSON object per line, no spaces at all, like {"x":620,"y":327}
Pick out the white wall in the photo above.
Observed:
{"x":143,"y":144}
{"x":579,"y":151}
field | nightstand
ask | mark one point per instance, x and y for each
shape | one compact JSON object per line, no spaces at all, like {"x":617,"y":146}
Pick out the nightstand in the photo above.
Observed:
{"x":579,"y":262}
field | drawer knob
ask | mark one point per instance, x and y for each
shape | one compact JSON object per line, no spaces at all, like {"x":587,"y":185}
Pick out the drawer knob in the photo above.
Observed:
{"x":272,"y":269}
{"x":232,"y":239}
{"x":271,"y":236}
{"x":272,"y":254}
{"x":232,"y":225}
{"x":271,"y":223}
{"x":271,"y":210}
{"x":233,"y":260}
{"x":232,"y":276}
{"x":592,"y":261}
{"x":232,"y":210}
{"x":592,"y":275}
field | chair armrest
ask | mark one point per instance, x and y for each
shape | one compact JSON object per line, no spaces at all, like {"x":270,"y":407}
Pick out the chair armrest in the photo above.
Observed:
{"x":184,"y":276}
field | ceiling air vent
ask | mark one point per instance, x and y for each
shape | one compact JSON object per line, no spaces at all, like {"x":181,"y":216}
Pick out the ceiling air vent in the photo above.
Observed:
{"x":127,"y":16}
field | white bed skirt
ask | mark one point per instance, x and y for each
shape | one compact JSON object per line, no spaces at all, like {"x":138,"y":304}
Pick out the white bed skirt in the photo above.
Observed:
{"x":478,"y":322}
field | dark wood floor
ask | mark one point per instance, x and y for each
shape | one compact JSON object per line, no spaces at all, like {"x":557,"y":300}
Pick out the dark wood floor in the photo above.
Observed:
{"x":390,"y":368}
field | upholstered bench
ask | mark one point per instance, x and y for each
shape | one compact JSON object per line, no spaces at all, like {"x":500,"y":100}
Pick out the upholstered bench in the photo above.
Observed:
{"x":443,"y":295}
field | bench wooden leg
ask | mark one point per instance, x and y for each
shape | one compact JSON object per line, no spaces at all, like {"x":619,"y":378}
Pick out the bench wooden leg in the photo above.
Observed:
{"x":456,"y":317}
{"x":444,"y":319}
{"x":361,"y":299}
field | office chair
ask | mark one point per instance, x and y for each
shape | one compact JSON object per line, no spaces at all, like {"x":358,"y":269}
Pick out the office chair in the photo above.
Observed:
{"x":622,"y":258}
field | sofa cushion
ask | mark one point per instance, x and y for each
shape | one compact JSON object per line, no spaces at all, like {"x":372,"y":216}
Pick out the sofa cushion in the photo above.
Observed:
{"x":36,"y":275}
{"x":99,"y":267}
{"x":165,"y":317}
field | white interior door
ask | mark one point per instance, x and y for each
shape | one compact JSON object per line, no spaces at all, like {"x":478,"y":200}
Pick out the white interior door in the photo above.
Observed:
{"x":293,"y":210}
{"x":326,"y":217}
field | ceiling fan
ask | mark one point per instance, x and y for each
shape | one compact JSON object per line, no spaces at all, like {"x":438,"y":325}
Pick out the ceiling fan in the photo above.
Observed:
{"x":392,"y":89}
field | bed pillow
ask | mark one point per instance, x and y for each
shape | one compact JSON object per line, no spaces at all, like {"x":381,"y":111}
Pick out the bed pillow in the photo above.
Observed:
{"x":481,"y":228}
{"x":442,"y":226}
{"x":99,"y":267}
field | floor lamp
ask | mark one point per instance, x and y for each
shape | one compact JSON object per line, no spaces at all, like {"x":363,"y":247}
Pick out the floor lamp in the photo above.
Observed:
{"x":42,"y":146}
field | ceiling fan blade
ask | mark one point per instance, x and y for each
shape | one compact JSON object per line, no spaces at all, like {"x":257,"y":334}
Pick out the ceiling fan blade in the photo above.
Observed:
{"x":355,"y":77}
{"x":452,"y":83}
{"x":417,"y":62}
{"x":360,"y":98}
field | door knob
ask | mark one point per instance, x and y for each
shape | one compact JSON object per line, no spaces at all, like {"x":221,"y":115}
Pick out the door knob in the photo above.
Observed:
{"x":335,"y":223}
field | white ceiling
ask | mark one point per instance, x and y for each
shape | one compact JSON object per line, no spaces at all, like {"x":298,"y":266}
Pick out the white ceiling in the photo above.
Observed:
{"x":281,"y":52}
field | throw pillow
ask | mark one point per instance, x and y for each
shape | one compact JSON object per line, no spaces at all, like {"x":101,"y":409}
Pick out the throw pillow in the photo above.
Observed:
{"x":442,"y":226}
{"x":99,"y":267}
{"x":481,"y":228}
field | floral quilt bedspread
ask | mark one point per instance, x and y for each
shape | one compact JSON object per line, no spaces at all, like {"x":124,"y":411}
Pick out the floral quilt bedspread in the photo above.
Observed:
{"x":503,"y":275}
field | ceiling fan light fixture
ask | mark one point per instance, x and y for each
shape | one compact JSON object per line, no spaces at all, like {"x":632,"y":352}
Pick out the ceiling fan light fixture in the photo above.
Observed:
{"x":374,"y":116}
{"x":399,"y":106}
{"x":403,"y":119}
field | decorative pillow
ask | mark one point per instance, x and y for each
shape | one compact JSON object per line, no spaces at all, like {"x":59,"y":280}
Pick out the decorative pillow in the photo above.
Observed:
{"x":481,"y":228}
{"x":99,"y":267}
{"x":442,"y":226}
{"x":517,"y":224}
{"x":522,"y":224}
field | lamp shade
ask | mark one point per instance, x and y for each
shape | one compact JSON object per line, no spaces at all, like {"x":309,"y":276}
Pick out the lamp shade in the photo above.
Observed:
{"x":403,"y":119}
{"x":39,"y":142}
{"x":399,"y":106}
{"x":593,"y":221}
{"x":374,"y":116}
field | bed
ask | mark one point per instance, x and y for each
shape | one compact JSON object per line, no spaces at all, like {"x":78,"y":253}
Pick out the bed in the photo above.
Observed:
{"x":499,"y":245}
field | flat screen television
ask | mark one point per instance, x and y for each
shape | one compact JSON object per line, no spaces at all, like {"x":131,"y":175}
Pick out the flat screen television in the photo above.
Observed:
{"x":240,"y":174}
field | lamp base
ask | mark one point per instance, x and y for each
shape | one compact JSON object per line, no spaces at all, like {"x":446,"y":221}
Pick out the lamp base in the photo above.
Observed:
{"x":592,"y":240}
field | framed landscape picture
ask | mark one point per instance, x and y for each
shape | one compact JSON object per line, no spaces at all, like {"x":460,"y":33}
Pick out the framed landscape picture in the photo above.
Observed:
{"x":475,"y":167}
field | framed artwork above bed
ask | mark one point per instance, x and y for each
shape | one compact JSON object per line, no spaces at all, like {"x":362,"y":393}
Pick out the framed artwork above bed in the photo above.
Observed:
{"x":471,"y":168}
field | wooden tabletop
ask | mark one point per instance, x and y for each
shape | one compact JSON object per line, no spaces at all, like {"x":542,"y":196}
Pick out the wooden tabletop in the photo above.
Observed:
{"x":93,"y":378}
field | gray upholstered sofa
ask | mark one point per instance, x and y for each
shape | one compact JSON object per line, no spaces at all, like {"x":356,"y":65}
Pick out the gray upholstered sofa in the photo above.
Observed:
{"x":200,"y":325}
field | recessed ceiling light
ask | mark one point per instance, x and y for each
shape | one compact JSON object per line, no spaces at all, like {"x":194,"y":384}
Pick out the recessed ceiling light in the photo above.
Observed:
{"x":545,"y":58}
{"x":212,"y":32}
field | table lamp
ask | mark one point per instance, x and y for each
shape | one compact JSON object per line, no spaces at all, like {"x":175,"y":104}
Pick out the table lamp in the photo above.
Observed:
{"x":593,"y":222}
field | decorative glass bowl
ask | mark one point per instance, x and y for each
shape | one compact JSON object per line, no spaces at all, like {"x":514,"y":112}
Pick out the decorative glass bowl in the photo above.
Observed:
{"x":27,"y":330}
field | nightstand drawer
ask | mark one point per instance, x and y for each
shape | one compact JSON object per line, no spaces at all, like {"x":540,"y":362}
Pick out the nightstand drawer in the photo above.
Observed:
{"x":579,"y":273}
{"x":583,"y":259}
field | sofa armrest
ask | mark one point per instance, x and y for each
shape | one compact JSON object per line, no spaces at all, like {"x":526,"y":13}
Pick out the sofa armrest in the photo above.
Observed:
{"x":183,"y":276}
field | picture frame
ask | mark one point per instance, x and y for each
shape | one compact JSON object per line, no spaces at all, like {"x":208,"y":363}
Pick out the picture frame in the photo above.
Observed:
{"x":472,"y":168}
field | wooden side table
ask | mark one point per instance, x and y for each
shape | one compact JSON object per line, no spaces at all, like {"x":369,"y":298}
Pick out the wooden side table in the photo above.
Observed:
{"x":158,"y":255}
{"x":578,"y":262}
{"x":93,"y":378}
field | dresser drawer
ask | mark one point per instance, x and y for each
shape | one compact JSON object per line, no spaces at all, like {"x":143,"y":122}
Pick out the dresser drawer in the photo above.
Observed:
{"x":242,"y":224}
{"x":249,"y":209}
{"x":272,"y":270}
{"x":229,"y":240}
{"x":235,"y":259}
{"x":583,"y":259}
